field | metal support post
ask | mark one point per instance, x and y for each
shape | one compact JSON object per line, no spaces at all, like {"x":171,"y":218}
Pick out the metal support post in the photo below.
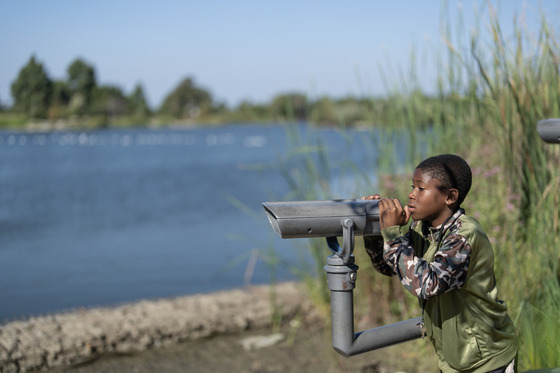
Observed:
{"x":341,"y":278}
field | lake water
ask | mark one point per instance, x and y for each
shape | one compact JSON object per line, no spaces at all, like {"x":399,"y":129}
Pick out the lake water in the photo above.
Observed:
{"x":105,"y":217}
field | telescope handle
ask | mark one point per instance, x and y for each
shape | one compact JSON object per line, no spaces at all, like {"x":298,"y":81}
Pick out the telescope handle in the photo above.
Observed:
{"x":348,"y":239}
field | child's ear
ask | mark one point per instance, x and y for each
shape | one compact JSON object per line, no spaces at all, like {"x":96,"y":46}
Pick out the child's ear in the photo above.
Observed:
{"x":452,"y":196}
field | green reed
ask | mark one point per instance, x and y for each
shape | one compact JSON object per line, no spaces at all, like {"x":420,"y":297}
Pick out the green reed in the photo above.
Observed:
{"x":520,"y":82}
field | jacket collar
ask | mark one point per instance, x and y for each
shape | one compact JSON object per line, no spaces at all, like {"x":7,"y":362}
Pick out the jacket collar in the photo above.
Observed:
{"x":435,"y":233}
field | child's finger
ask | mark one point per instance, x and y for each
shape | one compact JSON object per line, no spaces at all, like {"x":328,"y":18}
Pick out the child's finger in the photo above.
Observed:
{"x":397,"y":204}
{"x":407,"y":212}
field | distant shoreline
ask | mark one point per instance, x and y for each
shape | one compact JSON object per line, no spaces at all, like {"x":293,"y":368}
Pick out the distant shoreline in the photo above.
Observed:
{"x":47,"y":126}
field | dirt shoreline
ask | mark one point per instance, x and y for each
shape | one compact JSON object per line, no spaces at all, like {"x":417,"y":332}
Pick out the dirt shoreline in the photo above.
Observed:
{"x":304,"y":348}
{"x":258,"y":330}
{"x":65,"y":339}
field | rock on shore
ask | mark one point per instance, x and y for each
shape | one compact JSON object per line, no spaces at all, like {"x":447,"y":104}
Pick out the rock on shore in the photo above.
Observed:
{"x":46,"y":342}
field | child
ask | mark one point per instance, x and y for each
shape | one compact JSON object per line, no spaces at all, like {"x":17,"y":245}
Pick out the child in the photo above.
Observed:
{"x":446,"y":260}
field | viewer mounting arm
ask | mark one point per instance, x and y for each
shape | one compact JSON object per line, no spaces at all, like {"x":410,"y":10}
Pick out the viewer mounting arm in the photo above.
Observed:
{"x":332,"y":219}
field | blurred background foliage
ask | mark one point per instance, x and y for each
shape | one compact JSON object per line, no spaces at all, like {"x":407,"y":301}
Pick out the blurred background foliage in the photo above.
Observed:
{"x":79,"y":101}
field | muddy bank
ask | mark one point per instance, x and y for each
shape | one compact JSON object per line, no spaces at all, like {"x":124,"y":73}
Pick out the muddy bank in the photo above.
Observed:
{"x":304,"y":348}
{"x":66,"y":339}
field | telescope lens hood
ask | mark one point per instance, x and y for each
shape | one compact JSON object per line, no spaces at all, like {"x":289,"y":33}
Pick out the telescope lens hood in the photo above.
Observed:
{"x":306,"y":219}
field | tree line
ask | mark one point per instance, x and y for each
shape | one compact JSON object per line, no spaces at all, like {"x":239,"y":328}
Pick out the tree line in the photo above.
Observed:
{"x":79,"y":97}
{"x":36,"y":96}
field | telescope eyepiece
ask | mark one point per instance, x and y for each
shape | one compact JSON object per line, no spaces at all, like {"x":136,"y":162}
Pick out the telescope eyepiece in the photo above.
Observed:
{"x":549,"y":130}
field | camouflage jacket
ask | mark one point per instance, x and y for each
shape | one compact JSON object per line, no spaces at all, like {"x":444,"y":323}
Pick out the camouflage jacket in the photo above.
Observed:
{"x":422,"y":277}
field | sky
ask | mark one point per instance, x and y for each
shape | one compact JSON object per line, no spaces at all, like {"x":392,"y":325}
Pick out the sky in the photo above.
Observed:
{"x":240,"y":49}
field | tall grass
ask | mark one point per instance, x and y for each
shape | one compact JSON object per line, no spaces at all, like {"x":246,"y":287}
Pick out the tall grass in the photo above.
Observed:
{"x":490,"y":93}
{"x":518,"y":83}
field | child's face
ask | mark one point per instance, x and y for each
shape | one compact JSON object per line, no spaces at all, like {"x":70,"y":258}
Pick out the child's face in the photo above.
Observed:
{"x":427,"y":200}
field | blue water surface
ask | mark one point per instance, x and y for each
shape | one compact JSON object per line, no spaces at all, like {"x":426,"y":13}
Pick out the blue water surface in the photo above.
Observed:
{"x":104,"y":217}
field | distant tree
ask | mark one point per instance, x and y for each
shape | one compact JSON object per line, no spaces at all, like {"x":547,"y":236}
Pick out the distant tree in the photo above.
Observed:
{"x":187,"y":101}
{"x":32,"y":89}
{"x":323,"y":111}
{"x":109,"y":101}
{"x":290,"y":106}
{"x":250,"y":112}
{"x":219,"y":107}
{"x":60,"y":98}
{"x":81,"y":82}
{"x":352,"y":110}
{"x":137,"y":103}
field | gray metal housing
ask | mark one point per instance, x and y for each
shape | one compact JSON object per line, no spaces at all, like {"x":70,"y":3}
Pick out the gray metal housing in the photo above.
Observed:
{"x":332,"y":219}
{"x":306,"y":219}
{"x":549,"y":130}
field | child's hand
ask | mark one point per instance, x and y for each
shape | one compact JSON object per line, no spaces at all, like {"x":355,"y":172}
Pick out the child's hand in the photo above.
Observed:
{"x":392,"y":213}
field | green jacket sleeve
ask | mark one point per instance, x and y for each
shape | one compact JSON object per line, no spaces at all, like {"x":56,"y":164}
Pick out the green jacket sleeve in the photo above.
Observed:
{"x":374,"y":249}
